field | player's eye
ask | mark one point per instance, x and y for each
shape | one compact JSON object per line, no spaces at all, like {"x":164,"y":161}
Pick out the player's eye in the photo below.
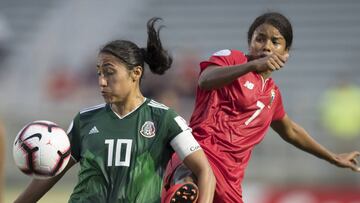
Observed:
{"x":108,"y":72}
{"x":260,"y":39}
{"x":275,"y":41}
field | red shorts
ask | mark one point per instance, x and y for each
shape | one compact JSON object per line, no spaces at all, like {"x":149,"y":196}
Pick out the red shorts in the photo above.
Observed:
{"x":225,"y":191}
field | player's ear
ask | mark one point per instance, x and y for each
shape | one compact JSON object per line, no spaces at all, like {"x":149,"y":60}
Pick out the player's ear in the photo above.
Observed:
{"x":286,"y":53}
{"x":136,"y":73}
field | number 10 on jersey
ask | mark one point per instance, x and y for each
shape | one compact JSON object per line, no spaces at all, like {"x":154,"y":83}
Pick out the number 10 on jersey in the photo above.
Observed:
{"x":120,"y":159}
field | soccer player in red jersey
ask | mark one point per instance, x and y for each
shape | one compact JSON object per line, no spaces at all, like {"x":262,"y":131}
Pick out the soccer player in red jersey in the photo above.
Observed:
{"x":237,"y":102}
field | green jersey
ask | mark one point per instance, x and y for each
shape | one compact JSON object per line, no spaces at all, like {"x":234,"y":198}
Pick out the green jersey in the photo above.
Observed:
{"x":122,"y":159}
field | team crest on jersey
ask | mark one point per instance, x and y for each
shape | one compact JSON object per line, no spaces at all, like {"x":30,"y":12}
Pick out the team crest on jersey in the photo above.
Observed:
{"x":148,"y":129}
{"x":272,"y":97}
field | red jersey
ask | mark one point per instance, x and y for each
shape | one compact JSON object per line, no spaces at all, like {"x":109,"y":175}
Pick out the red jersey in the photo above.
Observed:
{"x":228,"y":122}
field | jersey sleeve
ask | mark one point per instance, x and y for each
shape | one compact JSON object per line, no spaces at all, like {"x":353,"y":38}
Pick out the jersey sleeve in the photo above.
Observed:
{"x":224,"y":57}
{"x":279,"y":109}
{"x":74,"y":137}
{"x":175,"y":124}
{"x":181,"y":138}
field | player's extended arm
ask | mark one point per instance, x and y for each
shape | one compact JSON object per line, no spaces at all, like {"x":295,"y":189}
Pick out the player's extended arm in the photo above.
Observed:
{"x":198,"y":164}
{"x":296,"y":135}
{"x":38,"y":187}
{"x":214,"y":77}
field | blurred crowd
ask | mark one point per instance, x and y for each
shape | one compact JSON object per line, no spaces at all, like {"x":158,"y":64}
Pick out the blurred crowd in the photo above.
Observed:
{"x":176,"y":88}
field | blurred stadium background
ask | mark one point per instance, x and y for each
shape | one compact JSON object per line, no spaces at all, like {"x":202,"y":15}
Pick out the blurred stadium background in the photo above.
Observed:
{"x":47,"y":71}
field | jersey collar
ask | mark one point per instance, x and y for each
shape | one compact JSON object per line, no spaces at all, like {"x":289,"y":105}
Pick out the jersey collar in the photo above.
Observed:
{"x":126,"y":115}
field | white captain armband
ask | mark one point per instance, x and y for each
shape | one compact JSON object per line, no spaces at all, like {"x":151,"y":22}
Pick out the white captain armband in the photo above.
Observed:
{"x":184,"y":144}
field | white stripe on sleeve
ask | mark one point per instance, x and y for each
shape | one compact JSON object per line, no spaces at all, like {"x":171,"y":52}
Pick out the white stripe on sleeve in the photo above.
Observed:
{"x":70,"y":127}
{"x":181,"y":123}
{"x":184,"y":144}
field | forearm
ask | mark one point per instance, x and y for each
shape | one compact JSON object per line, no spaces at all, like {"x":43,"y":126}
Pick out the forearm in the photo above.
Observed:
{"x":38,"y":187}
{"x":206,"y":183}
{"x":215,"y":77}
{"x":201,"y":168}
{"x":301,"y":139}
{"x":296,"y":135}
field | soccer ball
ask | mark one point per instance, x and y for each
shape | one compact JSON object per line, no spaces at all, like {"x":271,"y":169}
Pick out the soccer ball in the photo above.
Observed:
{"x":41,"y":149}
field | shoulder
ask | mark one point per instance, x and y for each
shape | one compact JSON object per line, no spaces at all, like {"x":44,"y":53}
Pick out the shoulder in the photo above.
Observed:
{"x":225,"y":57}
{"x":230,"y":53}
{"x":274,"y":85}
{"x":157,"y":105}
{"x":90,"y":111}
{"x":168,"y":117}
{"x":161,"y":110}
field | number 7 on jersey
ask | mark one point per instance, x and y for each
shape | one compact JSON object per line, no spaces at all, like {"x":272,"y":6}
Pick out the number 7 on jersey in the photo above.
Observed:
{"x":256,"y":113}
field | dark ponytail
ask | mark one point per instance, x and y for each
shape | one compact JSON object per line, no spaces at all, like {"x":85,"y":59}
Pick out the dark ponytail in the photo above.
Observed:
{"x":154,"y":54}
{"x":131,"y":55}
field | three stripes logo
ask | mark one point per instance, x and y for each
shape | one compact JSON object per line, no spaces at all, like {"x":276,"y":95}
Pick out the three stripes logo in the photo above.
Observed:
{"x":157,"y":105}
{"x":93,"y":130}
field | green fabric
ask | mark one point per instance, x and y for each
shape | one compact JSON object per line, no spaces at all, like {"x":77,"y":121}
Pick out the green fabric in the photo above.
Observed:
{"x":123,"y":177}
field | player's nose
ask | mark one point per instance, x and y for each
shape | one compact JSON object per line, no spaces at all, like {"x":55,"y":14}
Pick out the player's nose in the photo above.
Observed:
{"x":102,"y":81}
{"x":267,"y":47}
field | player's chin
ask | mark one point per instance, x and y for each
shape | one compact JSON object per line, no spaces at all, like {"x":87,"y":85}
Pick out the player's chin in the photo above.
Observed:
{"x":107,"y":99}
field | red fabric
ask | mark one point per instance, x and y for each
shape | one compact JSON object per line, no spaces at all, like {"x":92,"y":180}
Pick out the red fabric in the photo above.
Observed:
{"x":219,"y":118}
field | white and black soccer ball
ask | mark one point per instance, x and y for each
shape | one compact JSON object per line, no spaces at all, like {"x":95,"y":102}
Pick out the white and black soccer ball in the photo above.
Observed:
{"x":41,"y":149}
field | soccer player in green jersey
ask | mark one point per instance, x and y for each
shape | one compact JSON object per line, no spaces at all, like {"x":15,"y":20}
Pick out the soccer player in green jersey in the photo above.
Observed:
{"x":123,"y":146}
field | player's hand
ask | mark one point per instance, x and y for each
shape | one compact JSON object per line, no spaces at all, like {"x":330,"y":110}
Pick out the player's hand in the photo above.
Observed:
{"x":348,"y":160}
{"x":271,"y":62}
